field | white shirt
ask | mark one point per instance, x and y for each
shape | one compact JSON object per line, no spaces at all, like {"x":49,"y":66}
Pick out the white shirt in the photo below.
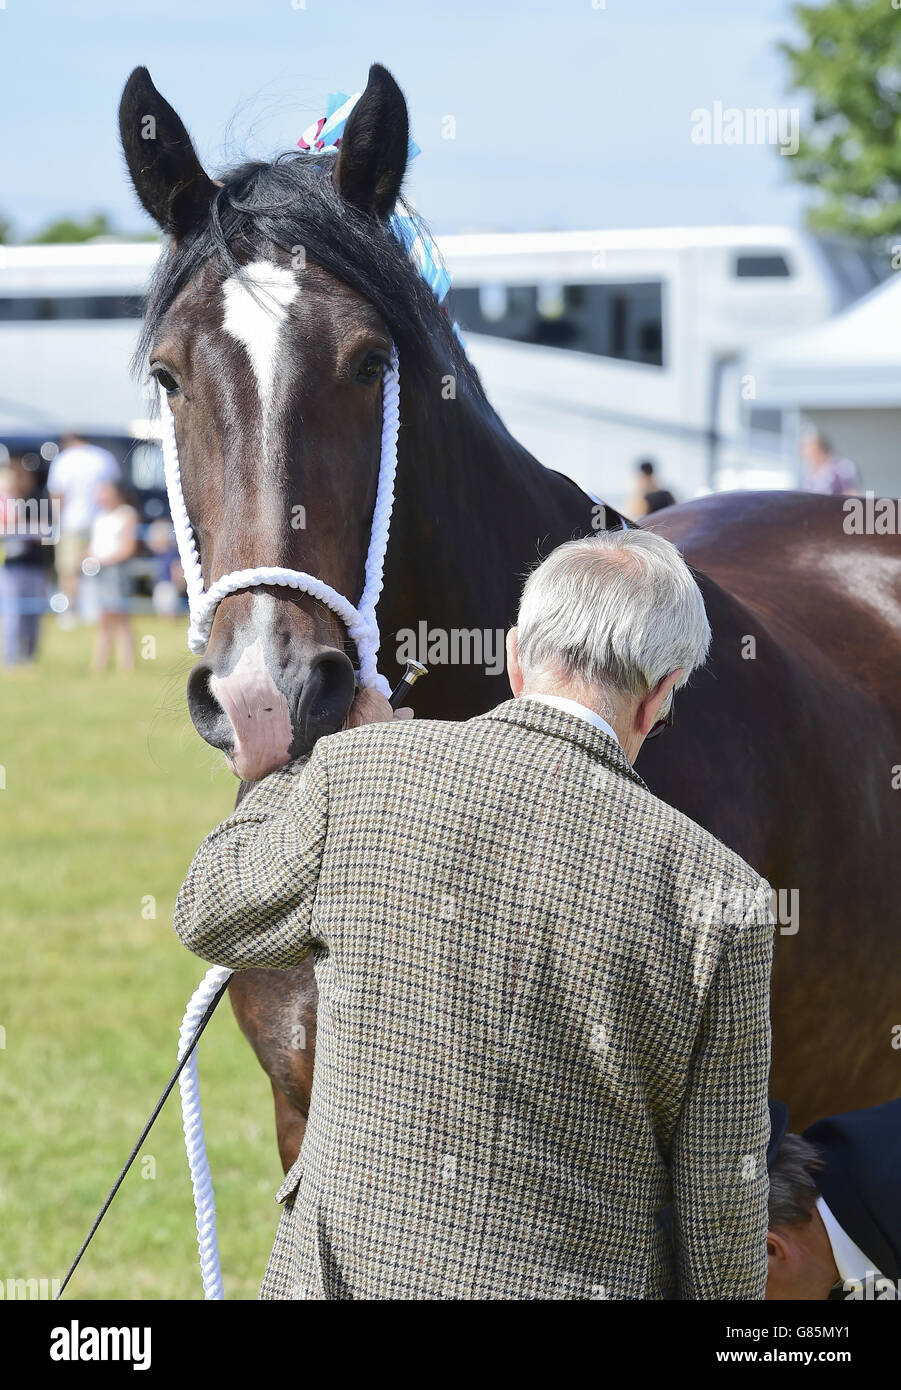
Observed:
{"x":573,"y":707}
{"x":75,"y":475}
{"x":850,"y":1260}
{"x":109,"y":531}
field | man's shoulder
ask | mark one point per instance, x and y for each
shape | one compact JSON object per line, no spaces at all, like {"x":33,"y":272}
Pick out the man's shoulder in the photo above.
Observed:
{"x":719,"y":872}
{"x":374,"y":739}
{"x":458,"y":742}
{"x":680,"y":826}
{"x":712,"y":865}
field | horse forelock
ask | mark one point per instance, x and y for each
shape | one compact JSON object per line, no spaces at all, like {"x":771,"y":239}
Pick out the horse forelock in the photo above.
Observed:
{"x":291,"y":206}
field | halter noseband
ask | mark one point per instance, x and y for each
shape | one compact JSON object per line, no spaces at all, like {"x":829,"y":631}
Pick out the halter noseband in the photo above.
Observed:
{"x":361,"y":622}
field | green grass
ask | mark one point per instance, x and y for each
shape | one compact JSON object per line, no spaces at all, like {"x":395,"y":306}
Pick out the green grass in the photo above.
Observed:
{"x":108,"y":792}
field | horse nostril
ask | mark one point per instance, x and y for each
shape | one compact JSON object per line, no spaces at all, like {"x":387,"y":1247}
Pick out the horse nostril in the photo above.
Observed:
{"x":326,"y":697}
{"x":218,"y":708}
{"x":207,"y":715}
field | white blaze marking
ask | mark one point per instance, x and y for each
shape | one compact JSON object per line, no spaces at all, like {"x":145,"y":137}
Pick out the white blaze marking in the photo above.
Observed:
{"x":256,"y":306}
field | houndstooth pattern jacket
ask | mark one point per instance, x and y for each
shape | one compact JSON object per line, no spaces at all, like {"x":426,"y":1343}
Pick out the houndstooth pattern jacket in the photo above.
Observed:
{"x":543,"y":1016}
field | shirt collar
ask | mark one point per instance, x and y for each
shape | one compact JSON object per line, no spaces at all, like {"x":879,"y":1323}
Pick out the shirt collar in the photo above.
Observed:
{"x":850,"y":1260}
{"x":573,"y":707}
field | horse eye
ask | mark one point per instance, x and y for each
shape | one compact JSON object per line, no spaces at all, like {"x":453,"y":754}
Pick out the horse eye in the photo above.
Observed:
{"x":165,"y":379}
{"x":372,"y":368}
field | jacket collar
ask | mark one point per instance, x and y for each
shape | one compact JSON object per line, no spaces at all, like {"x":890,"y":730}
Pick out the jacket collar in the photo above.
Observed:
{"x":546,"y":719}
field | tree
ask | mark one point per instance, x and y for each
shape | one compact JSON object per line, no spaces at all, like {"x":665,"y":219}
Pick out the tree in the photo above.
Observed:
{"x":66,"y":229}
{"x":850,"y":150}
{"x":6,"y":229}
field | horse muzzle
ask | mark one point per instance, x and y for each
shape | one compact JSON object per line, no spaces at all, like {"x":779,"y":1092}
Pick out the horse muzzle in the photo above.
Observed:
{"x":261,"y":722}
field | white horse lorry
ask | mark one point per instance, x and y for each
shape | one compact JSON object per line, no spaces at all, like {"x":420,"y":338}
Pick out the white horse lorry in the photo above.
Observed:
{"x":597,"y":348}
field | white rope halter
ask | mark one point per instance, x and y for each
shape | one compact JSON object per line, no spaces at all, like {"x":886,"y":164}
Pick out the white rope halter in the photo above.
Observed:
{"x":360,"y":621}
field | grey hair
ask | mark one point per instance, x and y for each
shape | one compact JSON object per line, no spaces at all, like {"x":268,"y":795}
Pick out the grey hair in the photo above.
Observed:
{"x":793,"y":1188}
{"x":619,"y":611}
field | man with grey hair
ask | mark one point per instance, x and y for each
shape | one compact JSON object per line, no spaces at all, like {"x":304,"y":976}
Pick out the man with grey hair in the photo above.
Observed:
{"x":614,"y":623}
{"x":543,"y":993}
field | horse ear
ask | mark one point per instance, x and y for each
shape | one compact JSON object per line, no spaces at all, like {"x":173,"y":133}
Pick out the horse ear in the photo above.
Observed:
{"x":372,"y":156}
{"x":167,"y":175}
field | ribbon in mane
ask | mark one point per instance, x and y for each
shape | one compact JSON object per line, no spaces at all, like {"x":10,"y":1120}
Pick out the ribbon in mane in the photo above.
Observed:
{"x":324,"y":137}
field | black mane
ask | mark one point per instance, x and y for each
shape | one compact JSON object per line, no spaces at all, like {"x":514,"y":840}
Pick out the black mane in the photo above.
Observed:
{"x":292,"y":202}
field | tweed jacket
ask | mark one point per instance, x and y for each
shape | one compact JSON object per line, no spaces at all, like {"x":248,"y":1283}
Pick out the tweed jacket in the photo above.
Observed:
{"x":543,"y":1016}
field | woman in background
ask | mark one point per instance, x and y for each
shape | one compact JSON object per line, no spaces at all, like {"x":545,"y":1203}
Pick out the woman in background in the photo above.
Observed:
{"x":114,"y":540}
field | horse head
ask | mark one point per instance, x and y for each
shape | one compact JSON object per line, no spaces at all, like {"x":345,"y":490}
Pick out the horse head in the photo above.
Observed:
{"x":269,"y":325}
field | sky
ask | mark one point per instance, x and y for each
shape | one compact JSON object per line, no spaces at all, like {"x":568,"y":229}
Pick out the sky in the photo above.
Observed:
{"x":564,"y":113}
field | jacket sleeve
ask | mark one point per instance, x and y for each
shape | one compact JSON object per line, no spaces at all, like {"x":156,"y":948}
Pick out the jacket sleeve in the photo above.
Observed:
{"x":720,"y":1180}
{"x":250,"y":891}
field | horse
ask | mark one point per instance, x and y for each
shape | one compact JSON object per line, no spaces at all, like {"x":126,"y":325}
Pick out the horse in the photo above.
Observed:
{"x":784,"y":746}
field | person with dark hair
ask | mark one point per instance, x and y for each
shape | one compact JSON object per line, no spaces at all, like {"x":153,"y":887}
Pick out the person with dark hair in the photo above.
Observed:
{"x":650,"y":495}
{"x":835,"y":1206}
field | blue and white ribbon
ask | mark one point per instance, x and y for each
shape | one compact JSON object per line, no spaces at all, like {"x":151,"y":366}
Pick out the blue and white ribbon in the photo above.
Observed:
{"x":410,"y":230}
{"x":324,"y":137}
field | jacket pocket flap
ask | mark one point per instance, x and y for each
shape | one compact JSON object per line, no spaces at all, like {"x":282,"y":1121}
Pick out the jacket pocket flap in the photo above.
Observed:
{"x":291,"y":1182}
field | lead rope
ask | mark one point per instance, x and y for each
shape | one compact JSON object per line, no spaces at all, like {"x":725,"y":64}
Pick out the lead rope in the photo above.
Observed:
{"x":195,"y":1145}
{"x":362,"y":626}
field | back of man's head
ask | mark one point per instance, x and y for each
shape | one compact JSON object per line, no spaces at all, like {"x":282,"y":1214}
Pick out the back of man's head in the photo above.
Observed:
{"x":616,"y":612}
{"x":793,"y":1188}
{"x":801,"y":1264}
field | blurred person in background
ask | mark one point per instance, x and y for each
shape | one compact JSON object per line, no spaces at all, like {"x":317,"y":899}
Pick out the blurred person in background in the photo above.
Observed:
{"x":75,"y":475}
{"x":169,"y":588}
{"x":650,"y":495}
{"x":113,"y":542}
{"x":23,"y":587}
{"x":825,"y":470}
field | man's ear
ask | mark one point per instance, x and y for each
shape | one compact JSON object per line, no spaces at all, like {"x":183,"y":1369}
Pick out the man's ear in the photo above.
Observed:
{"x":167,"y":175}
{"x":776,"y":1245}
{"x":514,"y":670}
{"x":649,"y":710}
{"x":779,"y":1281}
{"x":372,"y":156}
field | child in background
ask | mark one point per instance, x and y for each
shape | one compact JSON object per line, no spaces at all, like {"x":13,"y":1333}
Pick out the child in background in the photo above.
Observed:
{"x":114,"y":540}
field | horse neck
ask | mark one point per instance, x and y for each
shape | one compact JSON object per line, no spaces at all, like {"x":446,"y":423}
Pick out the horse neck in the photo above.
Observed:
{"x":471,"y":507}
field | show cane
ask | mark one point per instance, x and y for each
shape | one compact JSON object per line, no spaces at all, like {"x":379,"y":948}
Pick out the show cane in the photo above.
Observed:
{"x":414,"y":670}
